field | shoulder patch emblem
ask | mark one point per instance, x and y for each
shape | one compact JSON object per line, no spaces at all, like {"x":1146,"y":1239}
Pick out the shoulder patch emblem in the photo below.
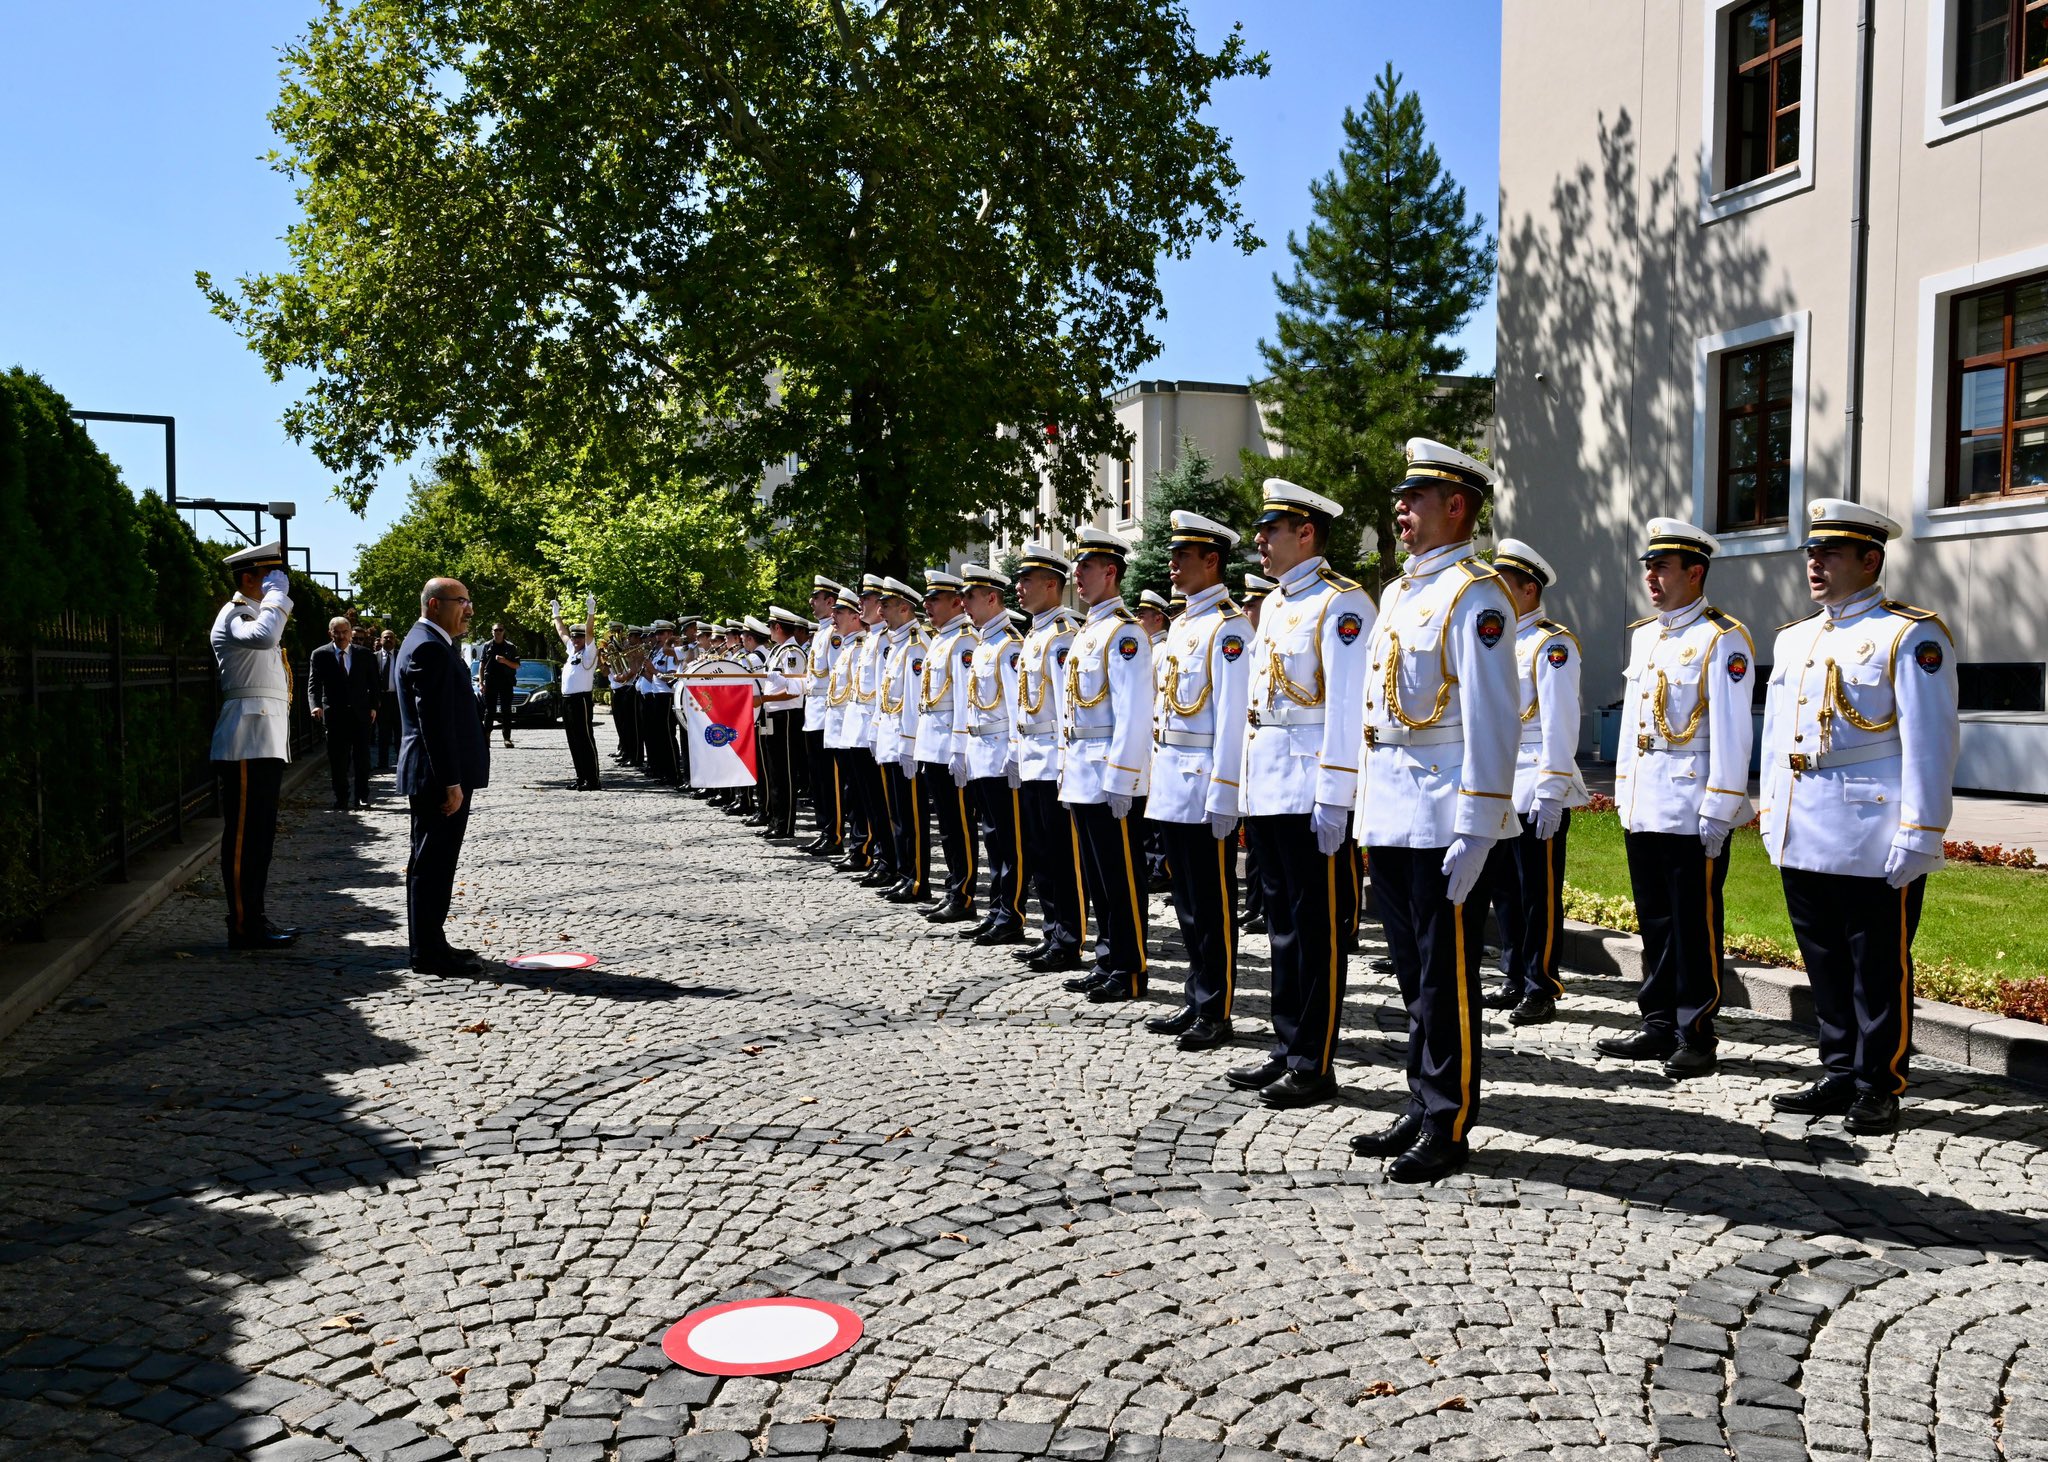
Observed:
{"x":917,"y":665}
{"x":1061,"y":654}
{"x":1927,"y":655}
{"x":1738,"y":666}
{"x":1348,"y":626}
{"x":1490,"y":626}
{"x":1014,"y":658}
{"x":837,"y":641}
{"x":966,"y":655}
{"x":1559,"y":655}
{"x":1127,"y":647}
{"x":1232,"y":646}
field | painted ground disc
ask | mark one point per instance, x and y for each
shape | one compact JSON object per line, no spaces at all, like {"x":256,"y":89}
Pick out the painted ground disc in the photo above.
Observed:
{"x":762,"y":1337}
{"x":557,"y":959}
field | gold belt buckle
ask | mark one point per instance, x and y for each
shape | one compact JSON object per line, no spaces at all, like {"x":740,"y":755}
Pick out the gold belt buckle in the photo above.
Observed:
{"x":1372,"y":736}
{"x":1643,"y":742}
{"x":1799,"y":761}
{"x":1252,"y":714}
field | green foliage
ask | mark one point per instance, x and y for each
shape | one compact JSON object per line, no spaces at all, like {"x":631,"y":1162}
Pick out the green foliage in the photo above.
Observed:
{"x":1191,"y":486}
{"x":697,"y":238}
{"x":1390,"y":269}
{"x":65,"y":515}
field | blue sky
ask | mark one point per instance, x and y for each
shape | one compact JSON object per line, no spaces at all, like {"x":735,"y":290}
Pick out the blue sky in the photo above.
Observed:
{"x":135,"y":133}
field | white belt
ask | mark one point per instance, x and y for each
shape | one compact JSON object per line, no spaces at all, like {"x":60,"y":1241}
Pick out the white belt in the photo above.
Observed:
{"x":1045,"y":726}
{"x":1531,"y":738}
{"x":936,"y":719}
{"x":1413,"y":735}
{"x":253,"y":695}
{"x":1090,"y":733}
{"x":1203,"y":739}
{"x":1802,"y":761}
{"x":1650,"y":741}
{"x":989,"y":728}
{"x":1285,"y":715}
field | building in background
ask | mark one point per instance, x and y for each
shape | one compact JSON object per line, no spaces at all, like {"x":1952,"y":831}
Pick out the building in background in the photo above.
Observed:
{"x":1682,"y":314}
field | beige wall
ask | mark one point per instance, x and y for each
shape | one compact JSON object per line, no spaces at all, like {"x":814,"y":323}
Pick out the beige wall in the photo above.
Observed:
{"x":1609,"y":279}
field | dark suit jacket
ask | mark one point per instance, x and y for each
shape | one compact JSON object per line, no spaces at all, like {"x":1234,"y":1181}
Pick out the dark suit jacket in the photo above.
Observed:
{"x":441,"y":742}
{"x":343,"y":697}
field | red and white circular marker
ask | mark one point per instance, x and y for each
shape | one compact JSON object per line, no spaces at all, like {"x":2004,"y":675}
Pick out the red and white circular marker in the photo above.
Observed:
{"x":761,"y":1337}
{"x":560,"y":959}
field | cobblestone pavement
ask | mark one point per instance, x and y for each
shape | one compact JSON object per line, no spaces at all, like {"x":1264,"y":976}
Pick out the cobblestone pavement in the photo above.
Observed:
{"x":316,"y":1206}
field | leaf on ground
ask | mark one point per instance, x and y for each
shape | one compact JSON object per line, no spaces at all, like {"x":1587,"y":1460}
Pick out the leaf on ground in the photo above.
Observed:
{"x":807,"y":1101}
{"x":752,"y":1050}
{"x":459,"y":1374}
{"x":956,"y":1238}
{"x":899,"y":1132}
{"x":1454,"y":1403}
{"x":1380,"y":1388}
{"x":482,"y":1027}
{"x":341,"y":1322}
{"x":822,"y":1416}
{"x":181,"y":954}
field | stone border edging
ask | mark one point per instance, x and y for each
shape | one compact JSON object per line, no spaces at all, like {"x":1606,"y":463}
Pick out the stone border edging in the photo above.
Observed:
{"x":1974,"y":1038}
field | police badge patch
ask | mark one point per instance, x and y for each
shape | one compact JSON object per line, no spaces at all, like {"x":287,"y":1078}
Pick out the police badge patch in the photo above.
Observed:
{"x":1348,"y":626}
{"x":1927,"y":655}
{"x":1127,"y":647}
{"x":1232,"y":647}
{"x":1559,"y":655}
{"x":1013,"y":659}
{"x":1490,"y":626}
{"x":967,"y":656}
{"x":1738,"y":666}
{"x":917,"y":666}
{"x":1061,"y":654}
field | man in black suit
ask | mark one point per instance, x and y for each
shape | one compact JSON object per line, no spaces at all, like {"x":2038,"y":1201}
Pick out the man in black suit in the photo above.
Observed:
{"x":443,"y":759}
{"x":341,"y":687}
{"x":387,"y":700}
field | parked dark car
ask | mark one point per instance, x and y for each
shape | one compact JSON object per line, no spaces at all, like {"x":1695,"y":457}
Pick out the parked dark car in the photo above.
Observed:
{"x":536,"y":694}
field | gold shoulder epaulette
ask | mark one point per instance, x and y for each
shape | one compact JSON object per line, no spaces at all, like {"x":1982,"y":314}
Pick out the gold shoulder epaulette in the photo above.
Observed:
{"x":1639,"y":623}
{"x":1915,"y":612}
{"x":1801,"y":620}
{"x":1123,"y":612}
{"x":1226,"y":606}
{"x":1710,"y":612}
{"x":1553,"y":626}
{"x":1477,"y":568}
{"x":1336,"y":580}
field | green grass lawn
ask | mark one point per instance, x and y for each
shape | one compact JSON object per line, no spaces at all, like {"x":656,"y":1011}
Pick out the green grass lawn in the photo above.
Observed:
{"x":1979,"y":925}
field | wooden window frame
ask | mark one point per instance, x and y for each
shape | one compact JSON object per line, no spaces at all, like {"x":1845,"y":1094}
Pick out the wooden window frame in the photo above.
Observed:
{"x":1727,"y":415}
{"x":2017,"y":15}
{"x":2010,"y":358}
{"x":1126,"y":494}
{"x":1773,"y":58}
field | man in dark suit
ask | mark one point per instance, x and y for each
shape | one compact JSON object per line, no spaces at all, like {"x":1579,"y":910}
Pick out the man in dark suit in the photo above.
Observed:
{"x":500,"y":675}
{"x":443,"y":759}
{"x":387,"y":700}
{"x":341,"y":687}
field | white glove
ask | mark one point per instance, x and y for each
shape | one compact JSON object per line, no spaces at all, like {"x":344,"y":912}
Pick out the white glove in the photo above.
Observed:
{"x":1464,"y":861}
{"x":907,"y":763}
{"x":1329,"y":825}
{"x":1903,"y":865}
{"x":590,"y":603}
{"x":1013,"y":776}
{"x":1714,"y":835}
{"x":1119,"y":806}
{"x":958,"y":767}
{"x":1223,"y":824}
{"x":277,"y":581}
{"x":1548,"y":817}
{"x":555,"y":608}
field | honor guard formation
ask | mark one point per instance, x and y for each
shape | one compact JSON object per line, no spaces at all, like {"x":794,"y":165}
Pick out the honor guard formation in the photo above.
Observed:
{"x":1082,"y":758}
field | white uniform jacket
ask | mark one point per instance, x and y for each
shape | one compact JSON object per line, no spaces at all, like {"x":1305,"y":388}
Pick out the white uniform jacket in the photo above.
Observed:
{"x":841,"y":681}
{"x":818,"y":657}
{"x":1303,"y":700}
{"x":947,"y":661}
{"x":1442,"y":706}
{"x":867,"y":674}
{"x":1041,"y":686}
{"x":255,"y":680}
{"x":1686,"y":727}
{"x":1106,"y":712}
{"x":1547,"y":659}
{"x":1860,"y":737}
{"x":896,"y":706}
{"x":1198,"y":725}
{"x":985,"y":715}
{"x":786,"y":665}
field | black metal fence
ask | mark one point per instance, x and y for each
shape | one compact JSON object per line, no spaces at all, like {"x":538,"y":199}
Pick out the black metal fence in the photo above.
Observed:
{"x":105,"y":733}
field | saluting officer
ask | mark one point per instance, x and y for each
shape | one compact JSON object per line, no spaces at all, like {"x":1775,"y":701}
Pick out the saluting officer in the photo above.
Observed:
{"x":1105,"y":762}
{"x":1860,"y":739}
{"x":822,"y":764}
{"x":1197,"y":767}
{"x":985,"y":738}
{"x":1681,"y":780}
{"x":1442,"y":712}
{"x":252,"y":738}
{"x":947,"y":663}
{"x":1300,"y":779}
{"x":896,"y":713}
{"x":1526,"y":870}
{"x":841,"y":743}
{"x":1052,"y":843}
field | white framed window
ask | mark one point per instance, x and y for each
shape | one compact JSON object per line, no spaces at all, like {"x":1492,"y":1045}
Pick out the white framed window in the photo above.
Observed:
{"x":1126,"y":491}
{"x":1757,"y":103}
{"x":1749,"y":389}
{"x":1959,"y":491}
{"x":1986,"y":60}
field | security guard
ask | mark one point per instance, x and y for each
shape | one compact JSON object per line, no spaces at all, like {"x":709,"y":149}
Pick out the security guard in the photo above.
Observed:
{"x":1442,"y":715}
{"x":849,"y":823}
{"x":1300,"y":779}
{"x":1256,"y":588}
{"x":822,"y":765}
{"x":1052,"y":843}
{"x":896,"y":714}
{"x":1526,"y":870}
{"x":1681,"y":782}
{"x":985,"y":741}
{"x":1197,"y":769}
{"x":252,"y":738}
{"x":1860,"y":739}
{"x":947,"y":663}
{"x":1105,"y":762}
{"x":783,"y":696}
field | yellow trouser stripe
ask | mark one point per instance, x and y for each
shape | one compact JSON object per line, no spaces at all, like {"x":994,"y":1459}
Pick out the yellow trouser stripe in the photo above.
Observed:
{"x":1137,"y":910}
{"x":1229,"y":925}
{"x":1330,"y":1026}
{"x":1017,"y":868}
{"x":1464,"y":1030}
{"x":1905,"y":992}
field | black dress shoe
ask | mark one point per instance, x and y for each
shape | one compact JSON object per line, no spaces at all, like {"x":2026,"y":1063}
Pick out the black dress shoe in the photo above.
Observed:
{"x":814,"y":845}
{"x":1430,"y":1158}
{"x":1379,"y":964}
{"x":829,"y":850}
{"x":1257,"y":1078}
{"x":1536,"y":1009}
{"x":1256,"y":924}
{"x":1055,"y":962}
{"x":1831,"y":1096}
{"x":1501,"y":999}
{"x":1032,"y":951}
{"x":1111,"y":988}
{"x":1083,"y":982}
{"x":363,"y":804}
{"x":1001,"y":934}
{"x":1390,"y":1141}
{"x":879,"y":876}
{"x":1637,"y":1046}
{"x":1174,"y":1024}
{"x":266,"y":940}
{"x":1299,"y":1089}
{"x":1691,"y":1061}
{"x":339,"y":807}
{"x":1872,"y":1115}
{"x":851,"y":863}
{"x":952,"y":911}
{"x":290,"y":930}
{"x":982,"y":925}
{"x":1206,"y":1035}
{"x":447,"y":967}
{"x":905,"y":893}
{"x":460,"y":953}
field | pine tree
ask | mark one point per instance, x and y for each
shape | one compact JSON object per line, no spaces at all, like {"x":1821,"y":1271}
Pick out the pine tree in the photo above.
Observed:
{"x":1191,"y":486}
{"x":1390,"y":270}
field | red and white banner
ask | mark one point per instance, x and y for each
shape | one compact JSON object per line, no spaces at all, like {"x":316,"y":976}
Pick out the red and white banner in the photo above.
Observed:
{"x":718,"y":724}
